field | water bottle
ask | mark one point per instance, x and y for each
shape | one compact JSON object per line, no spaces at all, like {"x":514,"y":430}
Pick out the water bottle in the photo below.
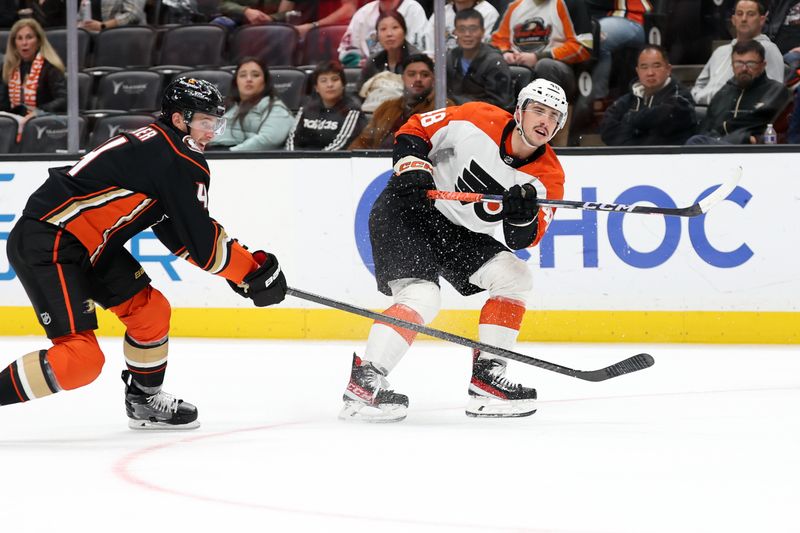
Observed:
{"x":770,"y":136}
{"x":86,"y":10}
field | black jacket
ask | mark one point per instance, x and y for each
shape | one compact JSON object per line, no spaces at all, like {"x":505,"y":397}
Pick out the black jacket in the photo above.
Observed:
{"x":665,"y":118}
{"x":488,"y":78}
{"x":379,"y":62}
{"x":51,"y":92}
{"x":154,"y":176}
{"x":735,"y":114}
{"x":326,"y":128}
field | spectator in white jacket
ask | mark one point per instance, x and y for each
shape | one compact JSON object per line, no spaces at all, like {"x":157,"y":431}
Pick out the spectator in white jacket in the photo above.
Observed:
{"x":361,"y":39}
{"x":748,"y":20}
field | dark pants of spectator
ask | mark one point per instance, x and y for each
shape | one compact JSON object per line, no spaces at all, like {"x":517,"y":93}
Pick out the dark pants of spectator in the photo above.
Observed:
{"x":699,"y":140}
{"x":557,"y":72}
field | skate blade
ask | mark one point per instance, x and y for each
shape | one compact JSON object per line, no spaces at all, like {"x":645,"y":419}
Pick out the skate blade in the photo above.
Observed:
{"x":359,"y":412}
{"x":148,"y":425}
{"x":483,"y":407}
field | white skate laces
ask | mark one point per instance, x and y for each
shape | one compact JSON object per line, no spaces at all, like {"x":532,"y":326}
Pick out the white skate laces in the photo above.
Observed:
{"x":163,"y":401}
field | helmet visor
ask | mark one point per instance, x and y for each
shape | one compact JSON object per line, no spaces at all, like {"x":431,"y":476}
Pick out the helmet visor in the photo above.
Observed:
{"x":208,"y":123}
{"x":539,"y":109}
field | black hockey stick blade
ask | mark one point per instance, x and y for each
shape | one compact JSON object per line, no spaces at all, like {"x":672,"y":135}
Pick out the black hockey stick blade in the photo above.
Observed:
{"x":632,"y":364}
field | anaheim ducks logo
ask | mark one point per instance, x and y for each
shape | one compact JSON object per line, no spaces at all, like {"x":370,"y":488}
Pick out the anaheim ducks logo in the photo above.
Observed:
{"x":532,"y":35}
{"x":476,"y":179}
{"x":192,"y":144}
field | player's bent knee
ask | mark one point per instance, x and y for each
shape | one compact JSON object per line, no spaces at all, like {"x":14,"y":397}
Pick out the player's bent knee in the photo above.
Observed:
{"x":75,"y":360}
{"x":422,"y":296}
{"x":146,"y":315}
{"x":505,"y":275}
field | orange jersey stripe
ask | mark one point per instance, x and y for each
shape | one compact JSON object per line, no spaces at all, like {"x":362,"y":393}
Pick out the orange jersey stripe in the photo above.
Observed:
{"x":405,"y":313}
{"x":75,"y":199}
{"x":571,"y":51}
{"x":94,"y":227}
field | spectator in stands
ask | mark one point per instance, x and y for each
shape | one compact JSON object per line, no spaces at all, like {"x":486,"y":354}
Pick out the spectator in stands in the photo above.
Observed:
{"x":113,"y":13}
{"x":793,"y":135}
{"x":360,"y":41}
{"x":783,"y":27}
{"x":49,"y":13}
{"x":33,"y":74}
{"x":329,"y":119}
{"x":315,"y":13}
{"x":241,"y":12}
{"x":9,"y":13}
{"x":657,"y":111}
{"x":476,"y":70}
{"x":741,"y":110}
{"x":391,"y":30}
{"x":748,"y":20}
{"x":621,"y":26}
{"x":487,"y":11}
{"x":418,"y":97}
{"x":256,"y":118}
{"x":541,"y":35}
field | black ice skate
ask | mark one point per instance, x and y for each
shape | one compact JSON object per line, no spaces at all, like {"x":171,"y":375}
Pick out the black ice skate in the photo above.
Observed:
{"x":491,"y":394}
{"x":156,"y":411}
{"x":368,"y":397}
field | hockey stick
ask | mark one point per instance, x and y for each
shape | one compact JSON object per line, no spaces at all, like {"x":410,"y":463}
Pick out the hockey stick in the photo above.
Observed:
{"x":719,"y":194}
{"x":631,"y":364}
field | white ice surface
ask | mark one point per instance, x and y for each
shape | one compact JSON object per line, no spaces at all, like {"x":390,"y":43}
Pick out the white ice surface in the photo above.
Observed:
{"x":707,"y":440}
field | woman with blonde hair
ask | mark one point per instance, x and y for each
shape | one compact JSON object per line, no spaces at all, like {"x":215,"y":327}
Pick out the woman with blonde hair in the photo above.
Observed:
{"x":33,"y":74}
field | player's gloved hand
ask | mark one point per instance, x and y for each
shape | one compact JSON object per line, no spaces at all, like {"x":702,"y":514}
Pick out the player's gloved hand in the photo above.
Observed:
{"x":411,"y":182}
{"x":520,"y":205}
{"x":266,"y":285}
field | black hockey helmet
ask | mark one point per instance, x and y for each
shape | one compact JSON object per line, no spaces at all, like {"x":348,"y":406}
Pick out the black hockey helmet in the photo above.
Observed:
{"x":188,"y":95}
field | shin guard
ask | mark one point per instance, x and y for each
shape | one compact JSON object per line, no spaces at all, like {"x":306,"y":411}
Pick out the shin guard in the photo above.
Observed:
{"x":146,"y":317}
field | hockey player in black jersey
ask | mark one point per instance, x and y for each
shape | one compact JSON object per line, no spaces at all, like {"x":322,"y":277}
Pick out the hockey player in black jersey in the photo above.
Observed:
{"x":67,"y":249}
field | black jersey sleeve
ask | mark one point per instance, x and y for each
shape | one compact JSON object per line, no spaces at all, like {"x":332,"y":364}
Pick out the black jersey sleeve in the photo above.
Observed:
{"x":182,"y":189}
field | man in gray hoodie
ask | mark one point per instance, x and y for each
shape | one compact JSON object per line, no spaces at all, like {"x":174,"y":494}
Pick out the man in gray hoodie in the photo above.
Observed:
{"x":748,"y":20}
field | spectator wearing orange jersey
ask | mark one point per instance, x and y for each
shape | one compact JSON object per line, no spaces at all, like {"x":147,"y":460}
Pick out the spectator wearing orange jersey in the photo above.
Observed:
{"x":540,"y":35}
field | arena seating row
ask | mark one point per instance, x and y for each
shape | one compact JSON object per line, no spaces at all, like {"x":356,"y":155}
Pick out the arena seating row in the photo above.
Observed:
{"x":124,"y":100}
{"x":196,"y":45}
{"x":135,"y":90}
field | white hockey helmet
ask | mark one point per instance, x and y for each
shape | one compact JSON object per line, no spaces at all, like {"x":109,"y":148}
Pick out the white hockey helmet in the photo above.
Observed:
{"x":546,"y":93}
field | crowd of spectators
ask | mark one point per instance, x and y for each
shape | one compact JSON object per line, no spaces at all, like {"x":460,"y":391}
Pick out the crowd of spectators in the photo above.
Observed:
{"x":493,"y":47}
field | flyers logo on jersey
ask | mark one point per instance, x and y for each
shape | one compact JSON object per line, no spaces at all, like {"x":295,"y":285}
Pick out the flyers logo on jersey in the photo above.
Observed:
{"x":476,"y":179}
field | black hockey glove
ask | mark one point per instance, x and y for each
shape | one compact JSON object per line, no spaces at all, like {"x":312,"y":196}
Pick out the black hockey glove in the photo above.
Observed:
{"x":411,"y":182}
{"x":520,"y":206}
{"x":265,"y":285}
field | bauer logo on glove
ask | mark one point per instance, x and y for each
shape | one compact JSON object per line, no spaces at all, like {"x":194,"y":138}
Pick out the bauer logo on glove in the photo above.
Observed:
{"x":265,"y":285}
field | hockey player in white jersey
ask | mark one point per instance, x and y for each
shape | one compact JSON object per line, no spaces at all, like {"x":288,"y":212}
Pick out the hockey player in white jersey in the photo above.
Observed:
{"x":475,"y":147}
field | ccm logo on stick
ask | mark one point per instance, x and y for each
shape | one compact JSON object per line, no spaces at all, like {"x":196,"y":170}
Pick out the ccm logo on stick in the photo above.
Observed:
{"x":608,"y":207}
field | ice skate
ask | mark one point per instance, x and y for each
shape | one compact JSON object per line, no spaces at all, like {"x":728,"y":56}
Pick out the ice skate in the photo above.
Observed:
{"x":157,"y":411}
{"x":491,"y":394}
{"x":368,"y":397}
